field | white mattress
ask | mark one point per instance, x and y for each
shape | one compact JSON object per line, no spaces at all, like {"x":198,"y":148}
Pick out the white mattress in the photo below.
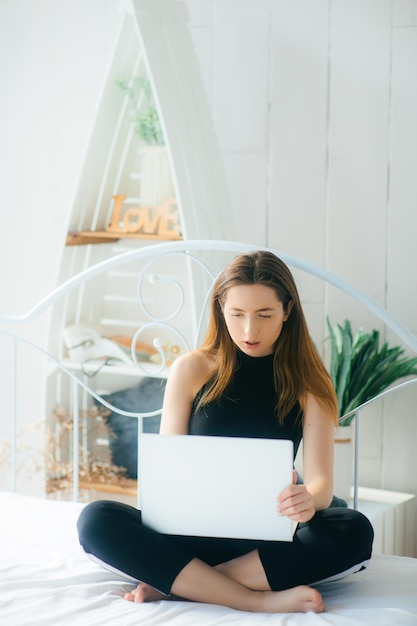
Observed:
{"x":45,"y":579}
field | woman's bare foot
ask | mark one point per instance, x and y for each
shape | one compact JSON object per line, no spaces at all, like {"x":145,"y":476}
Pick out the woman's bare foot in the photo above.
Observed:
{"x":296,"y":600}
{"x":144,"y":593}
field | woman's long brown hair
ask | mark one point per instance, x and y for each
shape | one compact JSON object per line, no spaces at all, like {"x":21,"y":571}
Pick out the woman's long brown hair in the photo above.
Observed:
{"x":297,"y":365}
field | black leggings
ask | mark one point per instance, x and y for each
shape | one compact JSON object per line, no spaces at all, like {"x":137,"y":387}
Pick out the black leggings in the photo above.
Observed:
{"x":335,"y":540}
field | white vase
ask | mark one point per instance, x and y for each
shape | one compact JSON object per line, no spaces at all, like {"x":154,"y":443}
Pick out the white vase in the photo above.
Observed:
{"x":156,"y":178}
{"x":343,"y":461}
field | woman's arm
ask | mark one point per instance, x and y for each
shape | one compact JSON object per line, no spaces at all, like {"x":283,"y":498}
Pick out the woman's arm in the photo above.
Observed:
{"x":300,"y":502}
{"x":186,"y":377}
{"x":318,"y":450}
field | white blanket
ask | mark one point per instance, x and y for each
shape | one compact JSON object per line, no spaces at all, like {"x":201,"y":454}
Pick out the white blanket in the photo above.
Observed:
{"x":46,"y":580}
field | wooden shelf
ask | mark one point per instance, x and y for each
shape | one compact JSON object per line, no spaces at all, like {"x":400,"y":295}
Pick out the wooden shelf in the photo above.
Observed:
{"x":85,"y":237}
{"x":128,"y":489}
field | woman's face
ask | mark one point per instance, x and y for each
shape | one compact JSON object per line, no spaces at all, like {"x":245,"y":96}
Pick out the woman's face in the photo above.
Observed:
{"x":254,"y":318}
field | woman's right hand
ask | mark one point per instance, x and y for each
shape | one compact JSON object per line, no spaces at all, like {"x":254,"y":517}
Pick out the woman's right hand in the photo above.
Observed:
{"x":296,"y":502}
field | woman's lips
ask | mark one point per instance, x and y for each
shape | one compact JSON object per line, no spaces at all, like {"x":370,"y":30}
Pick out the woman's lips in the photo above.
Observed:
{"x":251,"y":344}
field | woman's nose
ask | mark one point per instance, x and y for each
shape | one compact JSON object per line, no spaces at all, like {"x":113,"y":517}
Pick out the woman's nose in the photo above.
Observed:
{"x":250,"y":327}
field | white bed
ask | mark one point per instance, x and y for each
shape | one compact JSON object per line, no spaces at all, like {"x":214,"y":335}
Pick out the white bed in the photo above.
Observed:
{"x":46,"y":579}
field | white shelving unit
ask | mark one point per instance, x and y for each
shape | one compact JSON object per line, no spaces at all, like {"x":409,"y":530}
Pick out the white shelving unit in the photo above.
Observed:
{"x":153,"y":41}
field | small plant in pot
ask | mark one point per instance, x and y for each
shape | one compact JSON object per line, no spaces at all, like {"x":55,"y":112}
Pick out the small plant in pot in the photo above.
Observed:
{"x":156,"y":177}
{"x":142,"y":109}
{"x":361,"y":369}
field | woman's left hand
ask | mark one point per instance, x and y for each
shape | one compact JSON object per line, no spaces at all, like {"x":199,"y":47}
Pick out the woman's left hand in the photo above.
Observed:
{"x":296,"y":502}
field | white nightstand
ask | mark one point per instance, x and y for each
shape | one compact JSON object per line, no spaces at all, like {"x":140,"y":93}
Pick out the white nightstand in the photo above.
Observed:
{"x":393,"y":516}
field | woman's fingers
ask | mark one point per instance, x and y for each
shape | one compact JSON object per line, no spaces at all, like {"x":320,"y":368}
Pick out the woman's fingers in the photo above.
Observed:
{"x":296,"y":503}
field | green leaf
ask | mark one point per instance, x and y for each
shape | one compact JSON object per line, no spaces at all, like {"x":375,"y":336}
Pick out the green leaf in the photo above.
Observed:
{"x":360,"y":369}
{"x":143,"y":114}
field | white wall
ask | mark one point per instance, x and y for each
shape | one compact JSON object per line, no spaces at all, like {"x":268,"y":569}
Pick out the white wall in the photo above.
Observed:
{"x":53,"y":57}
{"x":315,"y":106}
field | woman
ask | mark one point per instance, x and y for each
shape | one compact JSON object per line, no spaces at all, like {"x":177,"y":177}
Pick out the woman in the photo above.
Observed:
{"x":257,"y":374}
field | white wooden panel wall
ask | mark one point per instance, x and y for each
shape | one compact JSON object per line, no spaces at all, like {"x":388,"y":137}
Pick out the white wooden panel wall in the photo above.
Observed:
{"x":241,"y":36}
{"x":401,"y":244}
{"x":401,"y":237}
{"x":298,"y":159}
{"x":299,"y":68}
{"x":359,"y":84}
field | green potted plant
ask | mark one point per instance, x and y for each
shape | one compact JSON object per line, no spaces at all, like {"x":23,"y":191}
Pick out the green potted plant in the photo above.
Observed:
{"x":361,"y":369}
{"x":156,"y":179}
{"x":144,"y":118}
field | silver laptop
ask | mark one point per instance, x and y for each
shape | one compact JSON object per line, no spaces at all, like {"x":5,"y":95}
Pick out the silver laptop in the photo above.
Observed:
{"x":215,"y":486}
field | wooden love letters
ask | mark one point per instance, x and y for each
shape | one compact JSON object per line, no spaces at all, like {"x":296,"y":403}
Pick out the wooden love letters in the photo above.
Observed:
{"x":160,"y":220}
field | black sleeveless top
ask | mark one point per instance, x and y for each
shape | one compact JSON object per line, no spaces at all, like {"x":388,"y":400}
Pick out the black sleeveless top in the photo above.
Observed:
{"x":247,"y":408}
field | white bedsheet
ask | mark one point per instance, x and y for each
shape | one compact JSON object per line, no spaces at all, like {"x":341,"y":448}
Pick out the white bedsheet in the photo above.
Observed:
{"x":46,"y":580}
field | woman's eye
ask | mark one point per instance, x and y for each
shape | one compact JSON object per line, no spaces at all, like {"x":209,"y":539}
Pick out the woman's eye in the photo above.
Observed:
{"x":268,"y":317}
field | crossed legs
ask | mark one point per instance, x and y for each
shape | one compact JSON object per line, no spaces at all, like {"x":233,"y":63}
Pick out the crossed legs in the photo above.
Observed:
{"x":252,"y":576}
{"x":239,"y":584}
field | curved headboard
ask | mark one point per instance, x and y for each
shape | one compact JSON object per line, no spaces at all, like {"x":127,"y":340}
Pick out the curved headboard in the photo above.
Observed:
{"x":202,"y":260}
{"x":190,"y":246}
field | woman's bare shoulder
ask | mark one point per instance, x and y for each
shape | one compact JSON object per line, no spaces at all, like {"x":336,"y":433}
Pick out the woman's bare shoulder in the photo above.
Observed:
{"x":187,"y":375}
{"x":196,"y":364}
{"x":190,"y":371}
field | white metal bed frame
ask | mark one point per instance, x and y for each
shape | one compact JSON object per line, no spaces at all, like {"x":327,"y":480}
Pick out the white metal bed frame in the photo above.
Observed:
{"x":189,"y":249}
